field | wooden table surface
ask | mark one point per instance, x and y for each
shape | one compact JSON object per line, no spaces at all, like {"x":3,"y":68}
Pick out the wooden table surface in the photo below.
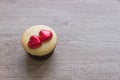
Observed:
{"x":88,"y":46}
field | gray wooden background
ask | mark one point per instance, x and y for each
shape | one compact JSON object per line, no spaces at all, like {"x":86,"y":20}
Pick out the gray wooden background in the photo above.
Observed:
{"x":89,"y":39}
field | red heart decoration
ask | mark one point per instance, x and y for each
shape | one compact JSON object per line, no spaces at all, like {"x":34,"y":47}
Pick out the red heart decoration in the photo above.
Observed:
{"x":34,"y":42}
{"x":45,"y":35}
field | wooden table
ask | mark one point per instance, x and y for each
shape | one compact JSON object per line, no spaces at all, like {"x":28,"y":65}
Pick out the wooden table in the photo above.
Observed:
{"x":89,"y":39}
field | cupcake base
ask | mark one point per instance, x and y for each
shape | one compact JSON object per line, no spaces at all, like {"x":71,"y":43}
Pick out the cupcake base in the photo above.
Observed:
{"x":41,"y":57}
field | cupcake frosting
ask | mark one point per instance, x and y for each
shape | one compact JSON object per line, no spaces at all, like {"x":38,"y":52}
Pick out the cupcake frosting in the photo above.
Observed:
{"x":46,"y":47}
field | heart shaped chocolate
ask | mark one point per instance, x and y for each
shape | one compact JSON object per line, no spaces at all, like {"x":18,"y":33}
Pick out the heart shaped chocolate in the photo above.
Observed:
{"x":45,"y":35}
{"x":34,"y":42}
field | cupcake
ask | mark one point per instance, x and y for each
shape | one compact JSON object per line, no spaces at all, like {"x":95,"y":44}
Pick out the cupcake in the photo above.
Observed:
{"x":39,"y":41}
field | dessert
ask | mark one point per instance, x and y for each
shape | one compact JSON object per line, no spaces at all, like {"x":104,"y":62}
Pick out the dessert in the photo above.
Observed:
{"x":39,"y":41}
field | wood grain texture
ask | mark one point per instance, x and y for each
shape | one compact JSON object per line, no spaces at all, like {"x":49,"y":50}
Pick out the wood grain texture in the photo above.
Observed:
{"x":89,"y":39}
